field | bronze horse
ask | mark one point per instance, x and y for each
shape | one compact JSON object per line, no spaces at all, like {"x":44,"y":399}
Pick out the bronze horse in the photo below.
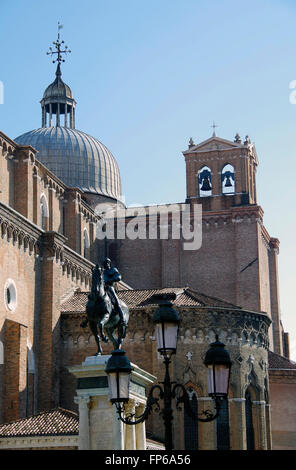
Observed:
{"x":103,"y":314}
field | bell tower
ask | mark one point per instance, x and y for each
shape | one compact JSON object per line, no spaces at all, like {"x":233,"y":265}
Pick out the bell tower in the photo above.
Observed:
{"x":221,"y":173}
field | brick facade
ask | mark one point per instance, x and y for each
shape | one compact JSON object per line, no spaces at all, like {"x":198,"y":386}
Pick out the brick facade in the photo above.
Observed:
{"x":49,"y":247}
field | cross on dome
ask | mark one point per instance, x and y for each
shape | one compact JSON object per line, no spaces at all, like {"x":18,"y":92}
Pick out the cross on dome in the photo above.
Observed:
{"x":58,"y":46}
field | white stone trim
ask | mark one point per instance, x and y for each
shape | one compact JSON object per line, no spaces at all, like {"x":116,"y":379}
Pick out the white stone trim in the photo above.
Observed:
{"x":11,"y":287}
{"x":38,"y":442}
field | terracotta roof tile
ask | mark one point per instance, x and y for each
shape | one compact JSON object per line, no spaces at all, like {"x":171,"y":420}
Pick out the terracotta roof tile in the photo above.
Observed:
{"x":58,"y":422}
{"x":136,"y":298}
{"x":279,"y":362}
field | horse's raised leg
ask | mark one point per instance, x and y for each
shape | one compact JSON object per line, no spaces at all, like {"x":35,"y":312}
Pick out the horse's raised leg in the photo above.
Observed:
{"x":104,"y":338}
{"x":94,"y":329}
{"x":109,"y":332}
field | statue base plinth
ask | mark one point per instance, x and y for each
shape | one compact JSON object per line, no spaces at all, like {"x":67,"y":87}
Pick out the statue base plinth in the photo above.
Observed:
{"x":99,"y":426}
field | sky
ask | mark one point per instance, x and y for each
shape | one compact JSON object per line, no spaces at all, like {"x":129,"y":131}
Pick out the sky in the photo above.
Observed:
{"x":149,"y":74}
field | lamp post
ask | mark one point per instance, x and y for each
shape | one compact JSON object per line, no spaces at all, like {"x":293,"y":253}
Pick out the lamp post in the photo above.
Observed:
{"x":217,"y":361}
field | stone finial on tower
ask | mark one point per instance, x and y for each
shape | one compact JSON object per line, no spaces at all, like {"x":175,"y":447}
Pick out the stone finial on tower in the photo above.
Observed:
{"x":191,"y":143}
{"x":237,"y":138}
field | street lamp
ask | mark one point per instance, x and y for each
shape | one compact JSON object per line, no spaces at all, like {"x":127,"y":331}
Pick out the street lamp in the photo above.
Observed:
{"x":119,"y":372}
{"x":217,"y":361}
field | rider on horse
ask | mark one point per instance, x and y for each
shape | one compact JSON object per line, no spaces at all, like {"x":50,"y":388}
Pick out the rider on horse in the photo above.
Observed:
{"x":111,"y":276}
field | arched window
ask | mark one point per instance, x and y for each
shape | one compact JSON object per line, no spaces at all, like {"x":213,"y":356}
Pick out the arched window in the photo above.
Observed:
{"x":190,"y":423}
{"x":86,"y":243}
{"x":1,"y":353}
{"x":204,"y":182}
{"x":30,"y":389}
{"x":227,"y":179}
{"x":223,"y":435}
{"x":44,"y":213}
{"x":249,"y":421}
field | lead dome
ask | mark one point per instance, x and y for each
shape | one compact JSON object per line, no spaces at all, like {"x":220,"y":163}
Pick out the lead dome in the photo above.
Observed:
{"x":78,"y":159}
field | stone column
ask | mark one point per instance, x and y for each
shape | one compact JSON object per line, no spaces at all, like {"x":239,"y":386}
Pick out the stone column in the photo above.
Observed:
{"x":50,"y":115}
{"x":140,"y":428}
{"x":58,"y":114}
{"x":268,"y":427}
{"x":83,"y":439}
{"x":259,"y":425}
{"x":66,"y":117}
{"x":71,"y":117}
{"x":43,"y":117}
{"x":130,"y":430}
{"x":99,"y":424}
{"x":237,"y":423}
{"x":274,"y":296}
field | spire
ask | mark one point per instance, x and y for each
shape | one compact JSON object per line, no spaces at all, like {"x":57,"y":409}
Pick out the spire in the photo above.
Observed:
{"x":58,"y":100}
{"x":58,"y":72}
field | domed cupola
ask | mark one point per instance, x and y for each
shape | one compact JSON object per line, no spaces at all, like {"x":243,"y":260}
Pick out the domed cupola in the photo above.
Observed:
{"x":58,"y":99}
{"x":58,"y":103}
{"x":78,"y":159}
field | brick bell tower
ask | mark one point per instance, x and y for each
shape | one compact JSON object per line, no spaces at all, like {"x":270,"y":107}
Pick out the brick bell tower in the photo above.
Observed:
{"x":221,"y":174}
{"x":238,"y":260}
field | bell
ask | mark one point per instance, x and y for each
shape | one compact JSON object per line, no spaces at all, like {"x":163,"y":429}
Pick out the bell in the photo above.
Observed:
{"x":228,"y":183}
{"x":206,"y":184}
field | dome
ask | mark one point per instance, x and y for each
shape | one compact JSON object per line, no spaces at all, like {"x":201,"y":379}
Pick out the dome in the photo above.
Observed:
{"x":58,"y":89}
{"x":78,"y":159}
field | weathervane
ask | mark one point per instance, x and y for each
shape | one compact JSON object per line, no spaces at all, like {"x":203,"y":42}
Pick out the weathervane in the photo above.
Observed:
{"x":58,"y":46}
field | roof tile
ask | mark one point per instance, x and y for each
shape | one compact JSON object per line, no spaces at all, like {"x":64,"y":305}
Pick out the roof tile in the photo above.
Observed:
{"x":58,"y":422}
{"x":136,"y":298}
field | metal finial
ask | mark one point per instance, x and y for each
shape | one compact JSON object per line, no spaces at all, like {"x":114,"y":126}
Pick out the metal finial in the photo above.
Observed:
{"x":58,"y":44}
{"x":214,"y":125}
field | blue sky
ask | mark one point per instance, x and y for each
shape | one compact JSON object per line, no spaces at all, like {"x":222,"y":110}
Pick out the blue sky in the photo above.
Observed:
{"x":147,"y":75}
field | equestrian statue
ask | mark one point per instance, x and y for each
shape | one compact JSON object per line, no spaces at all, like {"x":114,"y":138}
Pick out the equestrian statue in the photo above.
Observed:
{"x":105,"y":311}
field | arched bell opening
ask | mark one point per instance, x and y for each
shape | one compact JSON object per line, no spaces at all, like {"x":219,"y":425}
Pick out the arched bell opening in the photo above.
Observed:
{"x":228,"y":179}
{"x":205,"y":182}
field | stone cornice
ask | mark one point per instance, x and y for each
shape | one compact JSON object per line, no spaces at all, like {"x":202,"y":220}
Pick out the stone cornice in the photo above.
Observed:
{"x":19,"y":229}
{"x":18,"y":221}
{"x":40,"y":441}
{"x":73,"y":257}
{"x":235,"y":211}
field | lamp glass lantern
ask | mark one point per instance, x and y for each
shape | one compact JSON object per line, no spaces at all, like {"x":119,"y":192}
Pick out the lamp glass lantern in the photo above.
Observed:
{"x":218,"y":365}
{"x":166,"y":320}
{"x":118,"y":370}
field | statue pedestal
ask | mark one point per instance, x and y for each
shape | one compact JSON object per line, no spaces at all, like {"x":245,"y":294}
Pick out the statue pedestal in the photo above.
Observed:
{"x":99,"y":426}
